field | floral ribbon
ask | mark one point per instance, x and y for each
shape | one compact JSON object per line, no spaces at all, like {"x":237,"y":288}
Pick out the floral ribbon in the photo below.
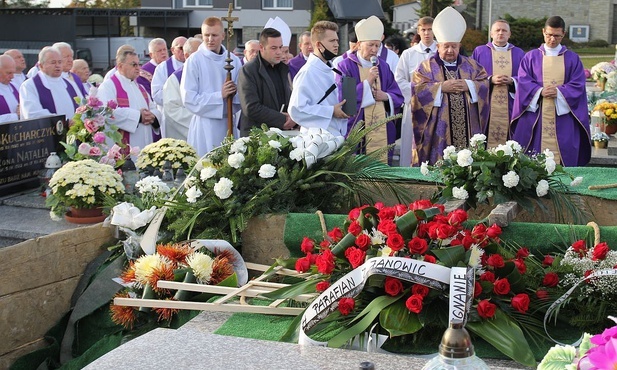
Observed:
{"x":562,"y":299}
{"x":429,"y":274}
{"x":316,"y":144}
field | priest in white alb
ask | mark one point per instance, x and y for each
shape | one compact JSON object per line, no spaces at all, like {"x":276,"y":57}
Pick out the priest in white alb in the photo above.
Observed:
{"x":136,"y":115}
{"x":205,"y":90}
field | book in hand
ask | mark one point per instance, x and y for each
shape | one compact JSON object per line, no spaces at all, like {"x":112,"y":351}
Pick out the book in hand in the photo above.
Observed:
{"x":348,"y":87}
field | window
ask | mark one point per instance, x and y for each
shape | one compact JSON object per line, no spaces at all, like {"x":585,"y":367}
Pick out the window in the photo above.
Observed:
{"x":277,"y":4}
{"x":198,"y":3}
{"x":237,"y":4}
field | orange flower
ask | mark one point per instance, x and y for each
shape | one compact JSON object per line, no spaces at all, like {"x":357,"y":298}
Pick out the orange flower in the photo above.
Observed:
{"x":222,"y":267}
{"x":165,"y":314}
{"x":123,"y":315}
{"x":176,"y":253}
{"x":163,"y":272}
{"x":129,"y":274}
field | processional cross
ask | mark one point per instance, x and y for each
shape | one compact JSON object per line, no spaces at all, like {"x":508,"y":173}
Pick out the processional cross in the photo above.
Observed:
{"x":230,"y":33}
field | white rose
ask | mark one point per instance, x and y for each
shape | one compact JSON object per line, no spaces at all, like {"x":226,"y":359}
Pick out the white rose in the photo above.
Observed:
{"x":238,"y":147}
{"x":448,"y":150}
{"x":460,"y":193}
{"x":274,"y":144}
{"x":464,"y":158}
{"x":577,"y":181}
{"x":549,"y":154}
{"x":222,"y":188}
{"x":514,"y":145}
{"x":477,"y":139}
{"x":550,"y":165}
{"x":207,"y":173}
{"x":235,"y":160}
{"x":424,"y":168}
{"x":192,"y":194}
{"x":189,"y":181}
{"x":542,"y":188}
{"x":510,"y":179}
{"x":506,"y":149}
{"x":267,"y":171}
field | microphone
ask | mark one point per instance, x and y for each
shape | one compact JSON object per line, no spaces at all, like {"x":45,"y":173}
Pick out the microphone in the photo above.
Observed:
{"x":374,"y":60}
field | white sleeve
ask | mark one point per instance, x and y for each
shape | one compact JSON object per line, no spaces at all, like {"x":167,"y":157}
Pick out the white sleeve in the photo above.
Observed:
{"x":367,"y":95}
{"x":198,"y":94}
{"x":561,"y":105}
{"x":533,"y":105}
{"x":126,"y":119}
{"x":9,"y":117}
{"x":472,"y":91}
{"x":403,"y":77}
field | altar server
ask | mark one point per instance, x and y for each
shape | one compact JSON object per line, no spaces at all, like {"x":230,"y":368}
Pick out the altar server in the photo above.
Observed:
{"x":550,"y":105}
{"x":378,"y":94}
{"x":47,"y":93}
{"x":9,"y":96}
{"x":136,"y":115}
{"x":205,"y":90}
{"x":501,"y":61}
{"x":449,"y":93}
{"x":314,"y":102}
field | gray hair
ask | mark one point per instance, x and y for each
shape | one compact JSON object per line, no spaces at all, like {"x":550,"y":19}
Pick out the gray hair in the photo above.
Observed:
{"x":157,"y":41}
{"x":249,"y":42}
{"x":121,"y":58}
{"x":46,"y":50}
{"x":191,"y":45}
{"x":62,"y":45}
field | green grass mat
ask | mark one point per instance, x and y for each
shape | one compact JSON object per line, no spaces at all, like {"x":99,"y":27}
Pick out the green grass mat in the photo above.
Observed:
{"x":591,"y":176}
{"x":255,"y":326}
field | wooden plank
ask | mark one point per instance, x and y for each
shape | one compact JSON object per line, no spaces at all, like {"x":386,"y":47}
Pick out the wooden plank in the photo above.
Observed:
{"x":204,"y":306}
{"x":251,"y":292}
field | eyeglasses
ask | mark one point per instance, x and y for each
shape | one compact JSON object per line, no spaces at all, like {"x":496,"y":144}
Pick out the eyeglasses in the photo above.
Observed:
{"x":556,"y":37}
{"x":134,"y":65}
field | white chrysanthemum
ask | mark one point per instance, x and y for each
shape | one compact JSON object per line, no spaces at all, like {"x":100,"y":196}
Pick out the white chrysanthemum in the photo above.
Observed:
{"x":506,"y":149}
{"x":464,"y":158}
{"x":550,"y":165}
{"x":274,"y":131}
{"x":202,"y":266}
{"x":152,"y":184}
{"x":377,"y":237}
{"x":206,"y":173}
{"x":192,"y":194}
{"x":424,"y":168}
{"x":238,"y":146}
{"x":475,"y":257}
{"x":460,"y":193}
{"x":477,"y":139}
{"x":549,"y":154}
{"x":189,"y":181}
{"x":297,"y":154}
{"x":275,"y":144}
{"x":267,"y":171}
{"x":235,"y":160}
{"x":145,"y":265}
{"x":510,"y":179}
{"x":577,"y":181}
{"x":514,"y":145}
{"x":448,"y":151}
{"x":223,"y":188}
{"x":542,"y":188}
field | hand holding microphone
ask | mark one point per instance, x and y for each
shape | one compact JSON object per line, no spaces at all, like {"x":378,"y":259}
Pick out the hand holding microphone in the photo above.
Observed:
{"x":374,"y":75}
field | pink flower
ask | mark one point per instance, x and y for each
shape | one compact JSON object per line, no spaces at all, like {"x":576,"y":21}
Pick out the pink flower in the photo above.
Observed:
{"x":604,"y":356}
{"x":135,"y":150}
{"x":108,"y":160}
{"x":81,"y":109}
{"x":90,"y":125}
{"x":114,"y":152}
{"x":112,"y":104}
{"x":99,"y":120}
{"x":84,"y":149}
{"x":602,"y":339}
{"x":95,"y":151}
{"x":94,"y":102}
{"x":99,"y":137}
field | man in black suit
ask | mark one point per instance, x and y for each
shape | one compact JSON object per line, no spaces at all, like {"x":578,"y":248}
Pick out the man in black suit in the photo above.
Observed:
{"x":264,"y":86}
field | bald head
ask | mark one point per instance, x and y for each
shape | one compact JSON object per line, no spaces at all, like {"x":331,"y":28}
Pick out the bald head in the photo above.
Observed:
{"x":18,"y":57}
{"x":81,"y":69}
{"x":7,"y":69}
{"x":176,"y":48}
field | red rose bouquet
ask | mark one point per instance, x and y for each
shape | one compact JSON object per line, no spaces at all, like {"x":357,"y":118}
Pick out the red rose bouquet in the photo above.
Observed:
{"x":414,"y":311}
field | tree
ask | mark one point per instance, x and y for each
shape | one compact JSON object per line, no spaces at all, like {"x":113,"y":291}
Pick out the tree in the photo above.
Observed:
{"x":25,"y":4}
{"x":321,"y":12}
{"x":430,"y":8}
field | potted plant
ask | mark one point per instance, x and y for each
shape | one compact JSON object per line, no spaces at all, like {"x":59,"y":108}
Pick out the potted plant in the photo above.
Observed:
{"x":83,"y":186}
{"x":177,"y":152}
{"x":600,"y":71}
{"x":608,"y":113}
{"x":600,"y":140}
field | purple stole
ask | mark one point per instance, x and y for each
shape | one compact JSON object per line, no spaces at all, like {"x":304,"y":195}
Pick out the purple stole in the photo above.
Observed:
{"x":170,"y":66}
{"x":384,"y":53}
{"x":80,"y":85}
{"x":46,"y":98}
{"x":4,"y":107}
{"x":178,"y":73}
{"x":145,"y":76}
{"x":122,"y":98}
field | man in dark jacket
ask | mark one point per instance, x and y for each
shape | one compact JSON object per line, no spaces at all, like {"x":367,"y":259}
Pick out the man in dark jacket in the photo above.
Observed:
{"x":264,"y":87}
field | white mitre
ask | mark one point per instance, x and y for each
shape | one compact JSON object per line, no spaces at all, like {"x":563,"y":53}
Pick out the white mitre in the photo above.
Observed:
{"x":449,"y":26}
{"x":280,"y":25}
{"x":369,"y":29}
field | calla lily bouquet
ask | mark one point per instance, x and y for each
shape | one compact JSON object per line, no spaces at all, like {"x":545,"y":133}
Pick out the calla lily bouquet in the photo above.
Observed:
{"x":501,"y":174}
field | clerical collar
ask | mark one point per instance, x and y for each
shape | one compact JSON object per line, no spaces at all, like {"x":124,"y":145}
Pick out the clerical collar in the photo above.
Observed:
{"x":501,"y":48}
{"x":449,"y":64}
{"x":555,"y":49}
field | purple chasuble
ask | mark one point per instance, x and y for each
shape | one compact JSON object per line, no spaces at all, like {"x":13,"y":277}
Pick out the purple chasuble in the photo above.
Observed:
{"x":4,"y":107}
{"x":484,"y":56}
{"x":431,"y":123}
{"x":572,"y":131}
{"x":295,"y":64}
{"x":145,"y":76}
{"x":45,"y":97}
{"x":351,"y":67}
{"x":178,"y":73}
{"x":170,"y":66}
{"x":80,"y":85}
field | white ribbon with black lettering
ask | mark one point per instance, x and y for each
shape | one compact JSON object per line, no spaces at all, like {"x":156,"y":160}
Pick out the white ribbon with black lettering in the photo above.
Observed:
{"x":420,"y":272}
{"x":598,"y":274}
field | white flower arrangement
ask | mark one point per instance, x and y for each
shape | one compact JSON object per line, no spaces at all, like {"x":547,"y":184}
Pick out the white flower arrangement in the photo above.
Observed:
{"x":464,"y":158}
{"x":600,"y":136}
{"x":601,"y":70}
{"x":178,"y":152}
{"x":223,"y":188}
{"x":83,"y":184}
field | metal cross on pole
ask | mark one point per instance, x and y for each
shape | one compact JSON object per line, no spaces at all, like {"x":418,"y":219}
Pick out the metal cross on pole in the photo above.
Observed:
{"x":230,"y":32}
